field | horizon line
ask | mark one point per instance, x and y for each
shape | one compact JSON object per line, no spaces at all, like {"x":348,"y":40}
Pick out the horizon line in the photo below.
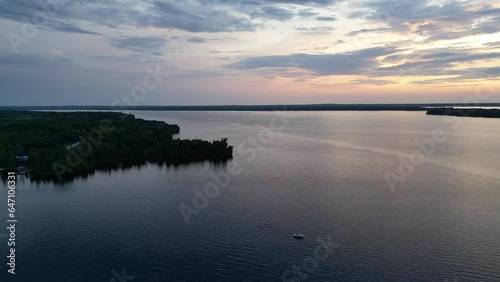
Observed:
{"x":257,"y":105}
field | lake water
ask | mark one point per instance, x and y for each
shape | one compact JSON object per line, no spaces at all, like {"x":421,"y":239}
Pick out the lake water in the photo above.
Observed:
{"x":321,"y":173}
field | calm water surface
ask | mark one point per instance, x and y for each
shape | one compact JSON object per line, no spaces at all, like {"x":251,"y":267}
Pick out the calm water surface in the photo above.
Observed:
{"x":323,"y":173}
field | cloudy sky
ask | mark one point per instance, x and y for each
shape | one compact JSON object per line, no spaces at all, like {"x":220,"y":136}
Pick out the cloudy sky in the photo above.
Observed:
{"x":76,"y":52}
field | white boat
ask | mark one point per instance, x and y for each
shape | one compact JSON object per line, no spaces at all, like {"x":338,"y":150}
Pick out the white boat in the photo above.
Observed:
{"x":298,"y":236}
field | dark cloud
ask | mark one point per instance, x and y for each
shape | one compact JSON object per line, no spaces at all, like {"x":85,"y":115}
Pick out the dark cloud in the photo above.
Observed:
{"x":19,"y":10}
{"x":326,"y":19}
{"x":192,"y":16}
{"x":66,"y":27}
{"x":367,"y":30}
{"x":307,"y":13}
{"x":427,"y":28}
{"x":468,"y":75}
{"x":438,"y":55}
{"x":436,"y":21}
{"x":414,"y":10}
{"x":493,"y":45}
{"x":326,"y":64}
{"x":263,"y":2}
{"x":316,"y":30}
{"x":138,"y":44}
{"x":31,"y":12}
{"x":218,"y":15}
{"x":373,"y":81}
{"x":196,"y":40}
{"x":434,"y":63}
{"x":273,"y":13}
{"x":493,"y":71}
{"x":489,"y":27}
{"x":303,"y":2}
{"x":393,"y":58}
{"x":368,"y":62}
{"x":227,"y":51}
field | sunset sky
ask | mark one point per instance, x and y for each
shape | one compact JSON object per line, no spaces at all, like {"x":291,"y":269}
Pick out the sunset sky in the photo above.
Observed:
{"x":91,"y":52}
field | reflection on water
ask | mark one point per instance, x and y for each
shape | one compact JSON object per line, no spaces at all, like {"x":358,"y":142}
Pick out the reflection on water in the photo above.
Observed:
{"x":107,"y":169}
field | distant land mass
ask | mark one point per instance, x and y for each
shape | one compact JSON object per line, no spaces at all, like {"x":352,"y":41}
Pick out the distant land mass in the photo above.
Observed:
{"x":485,"y":113}
{"x":63,"y":145}
{"x":293,"y":107}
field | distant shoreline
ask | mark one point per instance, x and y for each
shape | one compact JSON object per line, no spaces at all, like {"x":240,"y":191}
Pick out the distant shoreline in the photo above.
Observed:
{"x":294,"y":107}
{"x":483,"y":113}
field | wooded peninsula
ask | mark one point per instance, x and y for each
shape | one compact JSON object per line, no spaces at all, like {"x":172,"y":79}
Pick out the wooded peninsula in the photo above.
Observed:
{"x":62,"y":145}
{"x":485,"y":113}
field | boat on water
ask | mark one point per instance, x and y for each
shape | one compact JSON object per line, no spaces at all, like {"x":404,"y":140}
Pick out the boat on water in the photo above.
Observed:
{"x":298,"y":236}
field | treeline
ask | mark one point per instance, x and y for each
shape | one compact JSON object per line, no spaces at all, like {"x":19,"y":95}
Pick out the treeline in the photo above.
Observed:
{"x":486,"y":113}
{"x":292,"y":107}
{"x":68,"y":144}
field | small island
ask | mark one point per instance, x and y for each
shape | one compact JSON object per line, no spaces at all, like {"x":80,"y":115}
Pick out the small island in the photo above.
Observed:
{"x":62,"y":145}
{"x":485,"y":113}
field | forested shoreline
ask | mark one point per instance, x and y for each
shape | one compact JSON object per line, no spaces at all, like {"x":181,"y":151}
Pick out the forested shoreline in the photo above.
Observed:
{"x":485,"y":113}
{"x":62,"y":145}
